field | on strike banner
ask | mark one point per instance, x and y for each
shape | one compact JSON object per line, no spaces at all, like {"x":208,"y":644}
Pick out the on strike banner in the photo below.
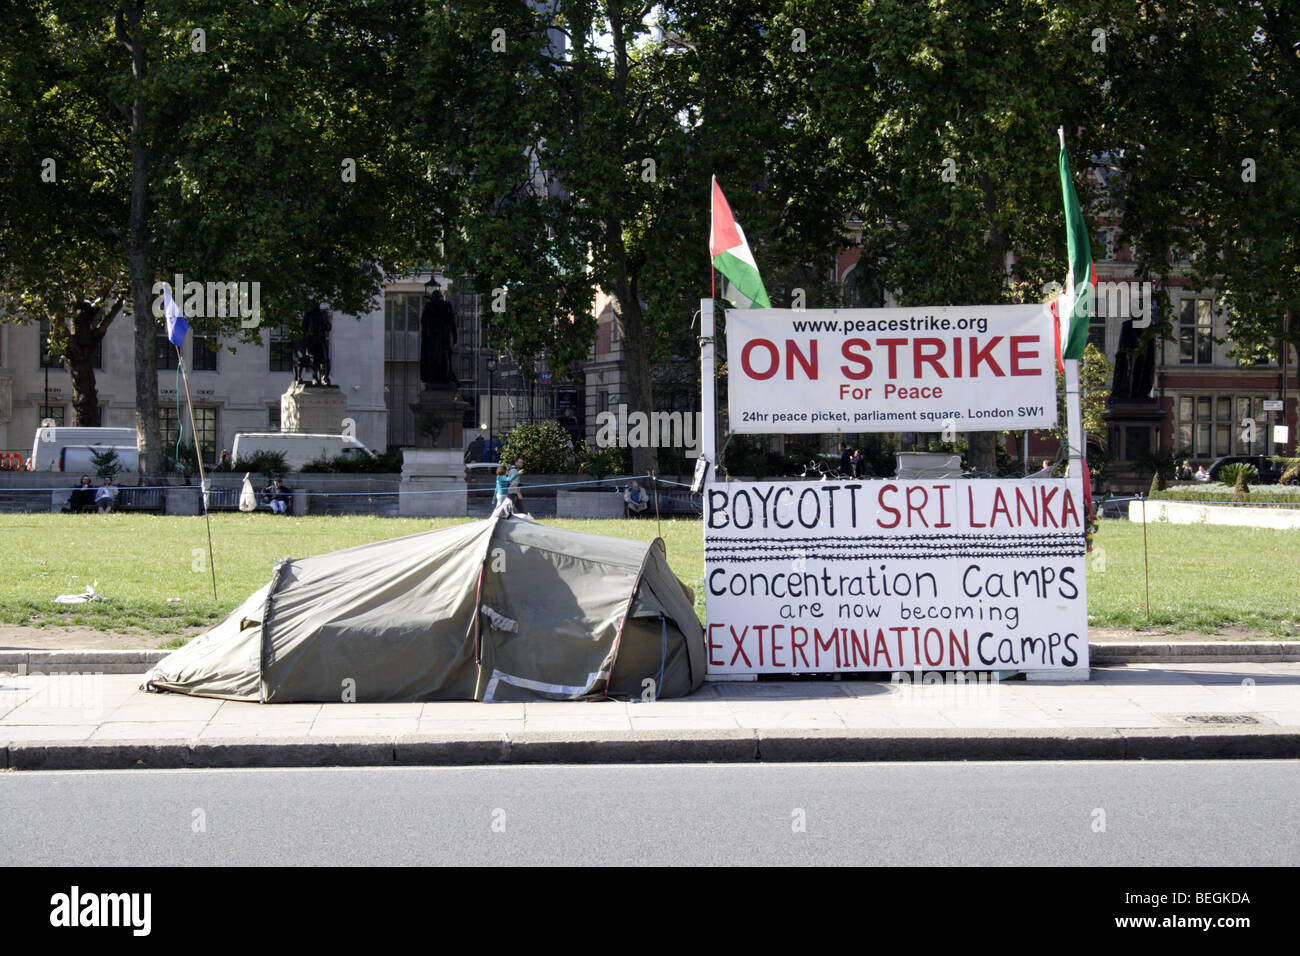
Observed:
{"x":815,"y":577}
{"x":968,"y":368}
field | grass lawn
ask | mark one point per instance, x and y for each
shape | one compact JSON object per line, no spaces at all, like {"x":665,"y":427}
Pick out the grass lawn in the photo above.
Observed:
{"x":153,"y":570}
{"x":1203,"y":578}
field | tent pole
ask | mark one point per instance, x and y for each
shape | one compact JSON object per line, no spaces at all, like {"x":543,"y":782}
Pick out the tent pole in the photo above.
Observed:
{"x":203,"y":481}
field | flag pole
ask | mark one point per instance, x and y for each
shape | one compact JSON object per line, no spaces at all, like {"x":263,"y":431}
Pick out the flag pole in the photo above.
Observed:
{"x":713,"y":292}
{"x":198,"y":457}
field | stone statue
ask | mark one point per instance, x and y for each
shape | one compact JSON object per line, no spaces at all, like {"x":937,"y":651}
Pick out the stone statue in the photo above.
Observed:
{"x":1135,"y":365}
{"x":437,"y":340}
{"x":312,"y":350}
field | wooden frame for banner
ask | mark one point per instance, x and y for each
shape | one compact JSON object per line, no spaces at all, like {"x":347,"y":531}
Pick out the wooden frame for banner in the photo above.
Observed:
{"x":1075,"y":438}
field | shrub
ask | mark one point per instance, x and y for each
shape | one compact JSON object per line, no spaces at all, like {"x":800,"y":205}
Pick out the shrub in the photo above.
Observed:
{"x":602,"y":462}
{"x":182,"y":460}
{"x":1232,"y":475}
{"x":1217,"y":494}
{"x":263,"y":462}
{"x":386,"y":464}
{"x":107,"y":463}
{"x":544,"y":447}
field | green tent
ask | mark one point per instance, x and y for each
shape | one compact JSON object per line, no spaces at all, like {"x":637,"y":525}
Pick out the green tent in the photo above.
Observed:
{"x":502,"y":609}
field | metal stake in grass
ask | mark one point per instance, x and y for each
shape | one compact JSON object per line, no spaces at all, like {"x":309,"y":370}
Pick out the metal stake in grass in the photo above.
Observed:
{"x":1146,"y":565}
{"x":654,"y":481}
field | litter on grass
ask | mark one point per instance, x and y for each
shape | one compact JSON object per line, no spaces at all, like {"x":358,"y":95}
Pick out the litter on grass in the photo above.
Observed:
{"x":90,"y":594}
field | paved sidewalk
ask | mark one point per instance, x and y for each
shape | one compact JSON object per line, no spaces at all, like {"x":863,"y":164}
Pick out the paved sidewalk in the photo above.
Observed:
{"x":1135,"y":711}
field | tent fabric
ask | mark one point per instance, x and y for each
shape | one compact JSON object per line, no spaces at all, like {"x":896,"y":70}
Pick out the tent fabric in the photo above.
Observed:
{"x":502,"y":609}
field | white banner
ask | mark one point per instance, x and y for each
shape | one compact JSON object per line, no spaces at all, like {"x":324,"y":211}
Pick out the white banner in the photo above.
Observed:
{"x":968,"y":368}
{"x":816,"y":577}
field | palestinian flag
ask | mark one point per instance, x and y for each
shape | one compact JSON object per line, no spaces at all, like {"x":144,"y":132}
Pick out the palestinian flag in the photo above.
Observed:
{"x":1073,"y":306}
{"x":743,"y":287}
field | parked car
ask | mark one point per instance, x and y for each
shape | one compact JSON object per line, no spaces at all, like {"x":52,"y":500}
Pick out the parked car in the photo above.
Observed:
{"x":1269,"y":470}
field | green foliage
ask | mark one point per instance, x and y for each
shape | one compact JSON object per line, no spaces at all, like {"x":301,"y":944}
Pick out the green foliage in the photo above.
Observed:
{"x":1234,"y":474}
{"x":385,"y":464}
{"x":1162,"y":464}
{"x":1217,"y":148}
{"x":107,"y":462}
{"x":1290,"y":469}
{"x":1094,"y":372}
{"x":603,"y":462}
{"x":749,"y":456}
{"x":263,"y":462}
{"x":1157,"y":484}
{"x":544,"y":447}
{"x":431,"y":425}
{"x":183,"y":461}
{"x":1286,"y":497}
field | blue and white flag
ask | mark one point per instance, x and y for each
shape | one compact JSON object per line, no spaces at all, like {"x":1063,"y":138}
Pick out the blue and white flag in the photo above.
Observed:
{"x":176,"y":324}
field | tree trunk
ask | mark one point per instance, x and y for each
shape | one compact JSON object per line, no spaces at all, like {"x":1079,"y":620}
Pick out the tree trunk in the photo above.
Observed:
{"x":982,"y":456}
{"x":636,"y":347}
{"x":83,"y":340}
{"x":85,"y":397}
{"x":137,"y":253}
{"x":982,"y":446}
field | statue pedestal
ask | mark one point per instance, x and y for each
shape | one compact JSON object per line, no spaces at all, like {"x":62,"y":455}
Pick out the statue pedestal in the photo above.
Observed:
{"x":433,"y":483}
{"x":1134,"y":429}
{"x":443,"y":405}
{"x":313,"y":409}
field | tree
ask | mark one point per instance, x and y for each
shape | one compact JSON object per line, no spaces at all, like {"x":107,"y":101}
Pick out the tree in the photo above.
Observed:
{"x":249,"y":143}
{"x":1094,"y":372}
{"x":60,"y":260}
{"x":583,"y":142}
{"x":956,"y":180}
{"x":1208,"y":180}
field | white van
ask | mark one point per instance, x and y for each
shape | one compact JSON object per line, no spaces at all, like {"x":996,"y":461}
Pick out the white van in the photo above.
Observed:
{"x":58,"y":448}
{"x":298,"y":448}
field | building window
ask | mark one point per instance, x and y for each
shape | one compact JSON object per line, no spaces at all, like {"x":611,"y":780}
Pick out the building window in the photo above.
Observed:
{"x":205,"y":353}
{"x":402,"y":311}
{"x":205,"y":420}
{"x":164,"y":356}
{"x":1196,"y":333}
{"x":57,"y":413}
{"x":281,"y":347}
{"x":1215,"y":425}
{"x":48,"y":361}
{"x":1097,"y":332}
{"x":273,"y":417}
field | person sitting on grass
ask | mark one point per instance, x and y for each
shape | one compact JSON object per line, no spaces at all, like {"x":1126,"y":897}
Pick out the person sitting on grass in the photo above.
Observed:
{"x":635,"y":500}
{"x":106,"y":496}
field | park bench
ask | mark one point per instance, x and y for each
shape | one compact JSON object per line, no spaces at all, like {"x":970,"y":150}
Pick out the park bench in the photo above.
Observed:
{"x":141,"y":498}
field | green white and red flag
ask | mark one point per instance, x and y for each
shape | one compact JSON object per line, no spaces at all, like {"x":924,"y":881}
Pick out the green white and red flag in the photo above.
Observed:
{"x":1071,"y":309}
{"x":743,"y":287}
